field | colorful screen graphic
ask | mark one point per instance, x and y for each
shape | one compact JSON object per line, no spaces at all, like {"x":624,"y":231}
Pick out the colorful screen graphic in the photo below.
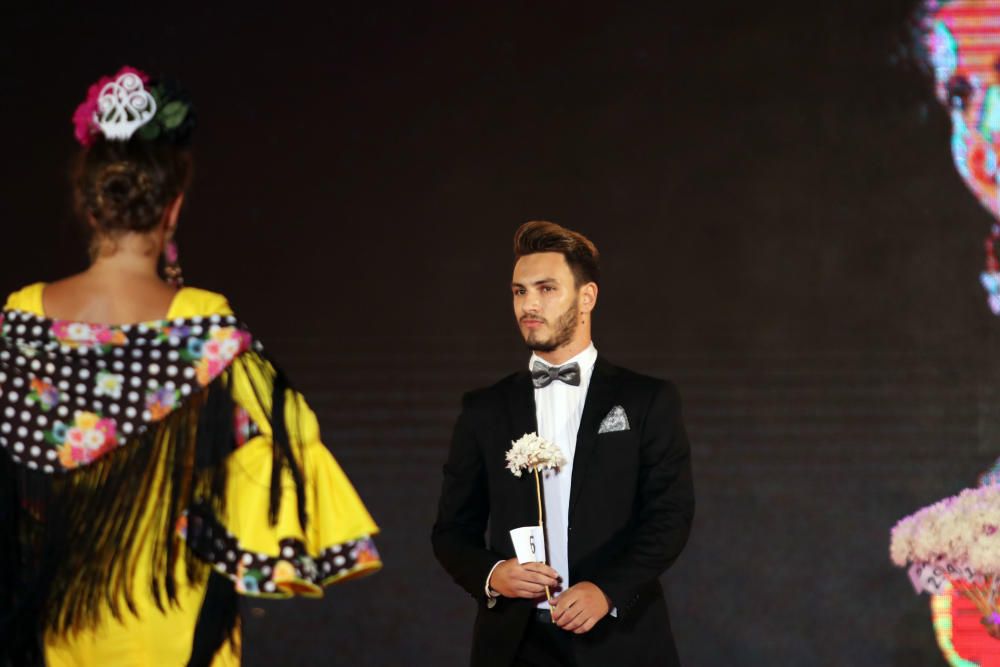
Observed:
{"x":962,"y":38}
{"x":963,"y":41}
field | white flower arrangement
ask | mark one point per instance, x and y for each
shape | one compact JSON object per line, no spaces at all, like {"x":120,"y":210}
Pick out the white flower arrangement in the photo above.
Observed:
{"x":957,"y":538}
{"x":533,"y":452}
{"x":960,"y":529}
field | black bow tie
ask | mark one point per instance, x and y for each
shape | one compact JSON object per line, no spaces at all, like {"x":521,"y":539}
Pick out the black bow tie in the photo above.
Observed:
{"x":542,"y":375}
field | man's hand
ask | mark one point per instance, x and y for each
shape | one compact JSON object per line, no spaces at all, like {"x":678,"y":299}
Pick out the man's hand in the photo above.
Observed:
{"x":513,"y":580}
{"x":580,"y":607}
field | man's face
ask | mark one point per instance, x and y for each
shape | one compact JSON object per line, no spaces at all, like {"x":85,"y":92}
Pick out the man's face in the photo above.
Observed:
{"x":545,"y":300}
{"x":964,"y":50}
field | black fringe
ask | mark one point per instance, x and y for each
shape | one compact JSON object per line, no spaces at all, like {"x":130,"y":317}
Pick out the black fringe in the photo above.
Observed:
{"x":217,"y":621}
{"x":70,"y":541}
{"x":283,"y":450}
{"x":20,"y":639}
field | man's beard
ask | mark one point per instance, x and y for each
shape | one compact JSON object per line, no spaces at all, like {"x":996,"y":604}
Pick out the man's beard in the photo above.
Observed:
{"x":565,"y":326}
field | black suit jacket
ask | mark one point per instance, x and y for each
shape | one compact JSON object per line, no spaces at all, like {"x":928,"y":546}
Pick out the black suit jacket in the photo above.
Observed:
{"x":630,"y":512}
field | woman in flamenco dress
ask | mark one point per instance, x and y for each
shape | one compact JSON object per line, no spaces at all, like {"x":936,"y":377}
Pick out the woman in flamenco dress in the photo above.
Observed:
{"x":155,"y":462}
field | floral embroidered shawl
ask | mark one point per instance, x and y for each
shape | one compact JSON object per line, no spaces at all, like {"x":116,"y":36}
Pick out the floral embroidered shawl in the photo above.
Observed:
{"x":107,"y":432}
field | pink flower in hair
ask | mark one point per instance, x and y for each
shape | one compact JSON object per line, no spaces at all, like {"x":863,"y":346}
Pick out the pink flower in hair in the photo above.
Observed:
{"x":85,"y":129}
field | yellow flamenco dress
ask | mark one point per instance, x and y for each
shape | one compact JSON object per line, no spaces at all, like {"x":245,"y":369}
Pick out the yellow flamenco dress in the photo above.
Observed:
{"x":271,"y":558}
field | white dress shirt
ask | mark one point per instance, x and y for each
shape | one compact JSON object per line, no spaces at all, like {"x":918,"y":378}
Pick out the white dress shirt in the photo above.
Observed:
{"x":558,"y":409}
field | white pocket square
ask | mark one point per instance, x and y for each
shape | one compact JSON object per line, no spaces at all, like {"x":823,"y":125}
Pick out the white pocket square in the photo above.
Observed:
{"x":616,"y":420}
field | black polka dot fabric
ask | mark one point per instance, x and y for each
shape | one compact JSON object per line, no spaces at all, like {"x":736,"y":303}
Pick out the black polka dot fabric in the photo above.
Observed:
{"x":291,"y":571}
{"x":71,"y":392}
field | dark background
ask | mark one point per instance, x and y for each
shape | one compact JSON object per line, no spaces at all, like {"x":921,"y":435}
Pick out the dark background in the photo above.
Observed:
{"x":783,"y":235}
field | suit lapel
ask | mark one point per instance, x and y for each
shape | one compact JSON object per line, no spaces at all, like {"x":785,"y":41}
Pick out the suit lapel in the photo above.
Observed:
{"x":600,"y":400}
{"x":523,"y":419}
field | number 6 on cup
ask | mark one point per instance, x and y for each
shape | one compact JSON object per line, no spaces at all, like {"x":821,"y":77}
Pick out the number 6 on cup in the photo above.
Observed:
{"x":529,"y":544}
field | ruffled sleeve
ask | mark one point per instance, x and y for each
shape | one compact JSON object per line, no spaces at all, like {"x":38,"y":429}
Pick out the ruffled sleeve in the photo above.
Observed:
{"x":285,"y":558}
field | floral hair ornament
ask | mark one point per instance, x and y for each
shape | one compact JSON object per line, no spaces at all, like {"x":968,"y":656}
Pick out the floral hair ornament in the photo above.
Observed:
{"x":131,"y":104}
{"x":123,"y":106}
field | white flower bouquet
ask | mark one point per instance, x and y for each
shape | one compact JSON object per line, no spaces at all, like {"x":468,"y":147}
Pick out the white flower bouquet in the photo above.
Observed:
{"x":535,"y":453}
{"x":956,"y":540}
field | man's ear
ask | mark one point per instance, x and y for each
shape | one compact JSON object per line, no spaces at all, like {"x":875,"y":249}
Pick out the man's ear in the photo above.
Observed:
{"x":588,"y":297}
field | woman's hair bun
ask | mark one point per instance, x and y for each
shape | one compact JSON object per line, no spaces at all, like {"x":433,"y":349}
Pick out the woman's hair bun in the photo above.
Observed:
{"x":125,"y":187}
{"x":124,"y":197}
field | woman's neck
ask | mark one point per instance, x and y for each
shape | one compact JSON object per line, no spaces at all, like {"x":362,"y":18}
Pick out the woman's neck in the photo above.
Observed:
{"x":130,"y":255}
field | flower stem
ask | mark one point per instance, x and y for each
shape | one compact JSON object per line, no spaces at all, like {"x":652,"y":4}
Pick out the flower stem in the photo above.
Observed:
{"x":978,"y":597}
{"x":541,"y":524}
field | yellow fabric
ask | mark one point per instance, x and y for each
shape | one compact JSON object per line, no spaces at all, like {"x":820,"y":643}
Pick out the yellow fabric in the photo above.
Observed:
{"x":189,"y":302}
{"x":336,"y":515}
{"x":28,"y":299}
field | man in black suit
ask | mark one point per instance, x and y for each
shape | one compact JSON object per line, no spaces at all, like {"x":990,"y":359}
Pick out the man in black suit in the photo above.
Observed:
{"x":617,"y":514}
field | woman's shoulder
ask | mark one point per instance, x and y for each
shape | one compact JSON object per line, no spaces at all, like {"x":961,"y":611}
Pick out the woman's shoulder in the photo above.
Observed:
{"x":188,"y":302}
{"x":27,"y":299}
{"x":192,"y":302}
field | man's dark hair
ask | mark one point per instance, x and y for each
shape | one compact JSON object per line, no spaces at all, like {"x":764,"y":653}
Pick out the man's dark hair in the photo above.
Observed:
{"x":543,"y":236}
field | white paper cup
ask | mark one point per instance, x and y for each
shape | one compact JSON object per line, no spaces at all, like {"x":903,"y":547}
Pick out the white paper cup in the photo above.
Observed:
{"x":529,"y":544}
